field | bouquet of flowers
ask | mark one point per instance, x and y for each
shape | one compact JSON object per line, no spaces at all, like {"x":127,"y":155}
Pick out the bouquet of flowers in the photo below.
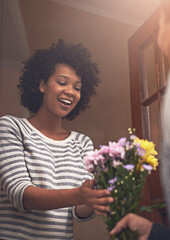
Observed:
{"x":122,"y":168}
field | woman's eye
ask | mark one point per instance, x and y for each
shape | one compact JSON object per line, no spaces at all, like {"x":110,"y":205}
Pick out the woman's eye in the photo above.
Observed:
{"x":61,"y":83}
{"x":78,"y":89}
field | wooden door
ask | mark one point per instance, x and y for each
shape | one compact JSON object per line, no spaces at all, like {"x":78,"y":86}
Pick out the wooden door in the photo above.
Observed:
{"x":148,"y":70}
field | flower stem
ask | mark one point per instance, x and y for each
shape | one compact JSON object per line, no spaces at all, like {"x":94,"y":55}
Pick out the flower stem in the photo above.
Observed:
{"x":103,"y":180}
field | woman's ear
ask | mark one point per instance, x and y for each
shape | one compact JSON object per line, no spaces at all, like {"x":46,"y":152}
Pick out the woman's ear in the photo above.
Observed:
{"x":42,"y":86}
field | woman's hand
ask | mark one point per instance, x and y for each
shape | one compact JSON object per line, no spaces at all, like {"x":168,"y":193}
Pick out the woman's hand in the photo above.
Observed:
{"x":98,"y":200}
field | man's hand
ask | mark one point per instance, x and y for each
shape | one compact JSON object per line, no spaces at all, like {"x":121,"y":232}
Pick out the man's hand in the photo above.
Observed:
{"x":96,"y":199}
{"x":137,"y":224}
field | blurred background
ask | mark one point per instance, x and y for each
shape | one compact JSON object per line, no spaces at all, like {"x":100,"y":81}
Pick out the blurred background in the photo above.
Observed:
{"x":104,"y":27}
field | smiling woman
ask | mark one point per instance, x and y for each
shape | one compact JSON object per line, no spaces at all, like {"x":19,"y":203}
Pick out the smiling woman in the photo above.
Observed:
{"x":43,"y":182}
{"x":61,"y":93}
{"x":43,"y":64}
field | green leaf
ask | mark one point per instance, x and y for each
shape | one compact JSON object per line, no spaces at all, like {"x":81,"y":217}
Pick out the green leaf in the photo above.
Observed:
{"x":153,"y":206}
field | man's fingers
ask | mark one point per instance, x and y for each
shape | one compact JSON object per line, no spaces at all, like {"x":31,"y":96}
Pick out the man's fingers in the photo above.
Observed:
{"x":119,"y":226}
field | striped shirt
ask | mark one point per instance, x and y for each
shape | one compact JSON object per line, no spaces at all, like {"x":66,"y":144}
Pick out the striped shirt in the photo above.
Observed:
{"x":28,"y":158}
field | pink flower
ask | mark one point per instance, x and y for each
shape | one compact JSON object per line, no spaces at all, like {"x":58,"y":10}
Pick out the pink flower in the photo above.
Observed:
{"x":89,"y":166}
{"x":116,"y":163}
{"x":112,"y":181}
{"x":111,"y":188}
{"x":104,"y":150}
{"x":129,"y":167}
{"x":116,"y":150}
{"x":133,"y":137}
{"x":140,"y":150}
{"x":92,"y":159}
{"x":147,"y":167}
{"x":122,"y":141}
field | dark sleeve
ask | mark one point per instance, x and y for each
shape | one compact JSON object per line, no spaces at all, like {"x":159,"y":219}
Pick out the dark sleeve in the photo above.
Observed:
{"x":159,"y":231}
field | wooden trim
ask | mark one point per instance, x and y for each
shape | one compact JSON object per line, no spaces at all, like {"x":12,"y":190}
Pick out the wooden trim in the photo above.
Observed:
{"x":134,"y":43}
{"x":150,"y":100}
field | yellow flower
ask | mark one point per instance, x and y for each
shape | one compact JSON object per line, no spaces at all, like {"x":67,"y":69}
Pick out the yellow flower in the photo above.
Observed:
{"x":148,"y":146}
{"x":150,"y":152}
{"x":152,"y":161}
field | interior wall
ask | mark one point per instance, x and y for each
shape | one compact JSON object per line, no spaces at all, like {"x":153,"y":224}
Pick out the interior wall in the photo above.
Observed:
{"x":9,"y":96}
{"x":13,"y":50}
{"x":109,"y":116}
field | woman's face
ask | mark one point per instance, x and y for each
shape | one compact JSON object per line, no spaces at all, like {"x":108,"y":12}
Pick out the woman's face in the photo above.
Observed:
{"x":61,"y":92}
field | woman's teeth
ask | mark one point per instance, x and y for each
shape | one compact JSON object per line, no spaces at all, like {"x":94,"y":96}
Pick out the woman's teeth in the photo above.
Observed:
{"x":65,"y":101}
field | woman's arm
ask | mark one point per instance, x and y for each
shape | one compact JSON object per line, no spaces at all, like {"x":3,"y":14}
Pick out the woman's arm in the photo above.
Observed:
{"x":16,"y":182}
{"x":35,"y":198}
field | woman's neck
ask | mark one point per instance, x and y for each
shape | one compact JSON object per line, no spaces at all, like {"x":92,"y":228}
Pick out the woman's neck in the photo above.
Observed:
{"x":50,"y":126}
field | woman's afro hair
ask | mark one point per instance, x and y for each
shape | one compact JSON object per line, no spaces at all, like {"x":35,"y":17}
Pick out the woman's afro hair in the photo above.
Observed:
{"x":42,"y":65}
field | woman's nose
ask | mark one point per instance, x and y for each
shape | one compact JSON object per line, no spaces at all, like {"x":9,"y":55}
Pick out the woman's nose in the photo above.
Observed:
{"x":69,"y":90}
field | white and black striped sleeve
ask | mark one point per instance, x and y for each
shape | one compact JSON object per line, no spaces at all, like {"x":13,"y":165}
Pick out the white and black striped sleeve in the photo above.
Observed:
{"x":13,"y":171}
